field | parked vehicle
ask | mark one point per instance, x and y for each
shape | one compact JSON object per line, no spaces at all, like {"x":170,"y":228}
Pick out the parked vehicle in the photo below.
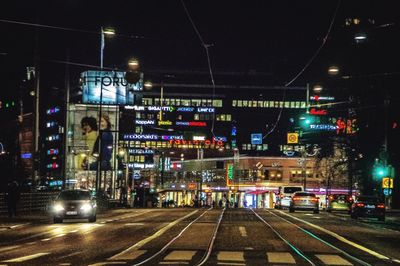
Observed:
{"x":284,"y":196}
{"x":339,"y":202}
{"x":304,"y":201}
{"x":71,"y":204}
{"x":368,"y":206}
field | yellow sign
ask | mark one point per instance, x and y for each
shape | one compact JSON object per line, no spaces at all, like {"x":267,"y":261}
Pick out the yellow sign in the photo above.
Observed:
{"x":387,"y":182}
{"x":292,"y":138}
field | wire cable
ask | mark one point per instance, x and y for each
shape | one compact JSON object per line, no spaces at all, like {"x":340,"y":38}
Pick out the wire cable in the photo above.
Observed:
{"x":306,"y":66}
{"x":206,"y":47}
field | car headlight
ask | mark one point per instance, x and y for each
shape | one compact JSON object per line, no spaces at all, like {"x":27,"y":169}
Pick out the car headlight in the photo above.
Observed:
{"x":86,"y":207}
{"x":58,"y":207}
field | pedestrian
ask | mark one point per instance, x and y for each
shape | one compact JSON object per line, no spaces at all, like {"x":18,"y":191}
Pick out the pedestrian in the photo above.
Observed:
{"x":12,"y":198}
{"x":220,"y":203}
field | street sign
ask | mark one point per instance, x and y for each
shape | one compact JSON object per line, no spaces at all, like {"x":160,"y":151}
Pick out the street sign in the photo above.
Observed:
{"x":256,"y":139}
{"x":292,"y":138}
{"x":259,"y":165}
{"x":387,"y":182}
{"x":387,"y":191}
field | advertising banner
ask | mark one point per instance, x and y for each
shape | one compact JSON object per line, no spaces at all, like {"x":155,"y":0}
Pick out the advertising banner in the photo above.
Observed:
{"x":91,"y":142}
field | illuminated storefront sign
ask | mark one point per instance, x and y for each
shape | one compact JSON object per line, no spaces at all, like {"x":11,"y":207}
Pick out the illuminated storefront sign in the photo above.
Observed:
{"x":140,"y":151}
{"x":161,"y":108}
{"x":144,"y":122}
{"x":165,"y":123}
{"x":205,"y":110}
{"x":139,"y":136}
{"x":26,"y":155}
{"x":110,"y":85}
{"x":346,"y":127}
{"x":229,"y":171}
{"x":220,"y":138}
{"x":314,"y":111}
{"x":199,"y":137}
{"x":324,"y":127}
{"x":140,"y":165}
{"x":165,"y":137}
{"x":191,"y":124}
{"x":196,"y":142}
{"x":185,"y":109}
{"x":322,"y":98}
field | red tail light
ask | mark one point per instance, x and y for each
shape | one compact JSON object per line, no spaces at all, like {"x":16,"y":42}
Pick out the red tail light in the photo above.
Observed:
{"x":315,"y":199}
{"x":296,"y":198}
{"x":380,"y":206}
{"x":350,"y":199}
{"x":330,"y":197}
{"x":360,"y":204}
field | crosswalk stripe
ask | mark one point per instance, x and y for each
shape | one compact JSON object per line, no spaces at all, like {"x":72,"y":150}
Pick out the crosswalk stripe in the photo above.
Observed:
{"x":280,"y":257}
{"x":182,"y":255}
{"x":25,"y":258}
{"x":333,"y":260}
{"x":230,"y":256}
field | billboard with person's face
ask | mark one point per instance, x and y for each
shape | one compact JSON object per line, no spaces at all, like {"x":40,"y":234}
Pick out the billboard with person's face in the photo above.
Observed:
{"x":91,"y":144}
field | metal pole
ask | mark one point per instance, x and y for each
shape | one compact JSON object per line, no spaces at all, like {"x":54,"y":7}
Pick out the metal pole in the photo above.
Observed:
{"x":67,"y":91}
{"x":98,"y":172}
{"x":308,"y":98}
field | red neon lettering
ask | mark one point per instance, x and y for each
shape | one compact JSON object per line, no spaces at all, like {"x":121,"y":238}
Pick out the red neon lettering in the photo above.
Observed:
{"x":177,"y":142}
{"x":314,"y":111}
{"x":220,"y":143}
{"x":207,"y":142}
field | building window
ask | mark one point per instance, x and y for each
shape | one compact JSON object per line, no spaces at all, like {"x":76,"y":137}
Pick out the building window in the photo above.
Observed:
{"x":228,"y":117}
{"x":196,"y":102}
{"x":245,"y":103}
{"x":234,"y":103}
{"x":185,"y":102}
{"x":178,"y":102}
{"x":239,"y":103}
{"x":217,"y":103}
{"x":147,"y":101}
{"x":259,"y":104}
{"x":287,"y":104}
{"x":196,"y":117}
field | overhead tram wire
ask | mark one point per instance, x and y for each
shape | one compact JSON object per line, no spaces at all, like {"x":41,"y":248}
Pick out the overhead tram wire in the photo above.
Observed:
{"x":206,"y":46}
{"x":306,"y":66}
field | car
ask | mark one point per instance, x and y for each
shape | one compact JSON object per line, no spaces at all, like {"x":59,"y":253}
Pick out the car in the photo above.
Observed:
{"x":368,"y":206}
{"x":303,"y":200}
{"x":339,"y":202}
{"x":284,"y":196}
{"x":74,"y":204}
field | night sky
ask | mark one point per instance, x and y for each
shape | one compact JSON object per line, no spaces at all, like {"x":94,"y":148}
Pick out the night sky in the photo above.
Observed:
{"x":276,"y":38}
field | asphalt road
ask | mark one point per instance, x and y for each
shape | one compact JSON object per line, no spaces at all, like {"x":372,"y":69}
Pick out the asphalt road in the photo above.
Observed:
{"x":187,"y":236}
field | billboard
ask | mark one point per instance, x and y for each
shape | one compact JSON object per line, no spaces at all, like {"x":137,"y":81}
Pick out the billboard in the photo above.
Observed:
{"x":110,"y":86}
{"x":91,"y":142}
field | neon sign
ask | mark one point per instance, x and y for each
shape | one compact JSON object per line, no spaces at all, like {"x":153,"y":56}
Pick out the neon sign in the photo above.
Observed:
{"x":165,"y":123}
{"x":322,"y":98}
{"x":205,"y":110}
{"x":229,"y":171}
{"x":145,"y":122}
{"x":324,"y":127}
{"x":165,"y":137}
{"x":220,"y":138}
{"x":196,"y":142}
{"x":140,"y":165}
{"x":185,"y":109}
{"x":314,"y":111}
{"x":138,"y":136}
{"x":191,"y":124}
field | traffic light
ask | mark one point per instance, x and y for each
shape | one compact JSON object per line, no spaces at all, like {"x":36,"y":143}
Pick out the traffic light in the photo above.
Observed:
{"x":306,"y":120}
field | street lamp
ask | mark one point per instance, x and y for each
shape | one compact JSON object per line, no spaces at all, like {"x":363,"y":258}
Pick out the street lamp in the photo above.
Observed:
{"x":317,"y":88}
{"x":108,"y":31}
{"x":333,"y":70}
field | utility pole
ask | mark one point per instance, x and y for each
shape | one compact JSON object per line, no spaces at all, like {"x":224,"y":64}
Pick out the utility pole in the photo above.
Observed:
{"x":66,"y":120}
{"x":36,"y":167}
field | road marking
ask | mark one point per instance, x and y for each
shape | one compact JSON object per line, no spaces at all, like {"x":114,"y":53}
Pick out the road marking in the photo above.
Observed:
{"x":134,"y":224}
{"x":230,"y":256}
{"x":280,"y":257}
{"x":231,"y":263}
{"x":174,"y":262}
{"x":108,"y":263}
{"x":343,"y":239}
{"x":73,"y":231}
{"x":141,"y":243}
{"x":45,"y":239}
{"x":25,"y":258}
{"x":64,"y":264}
{"x":333,"y":260}
{"x":180,"y":255}
{"x":248,"y":248}
{"x":9,"y":248}
{"x":60,"y":235}
{"x":242,"y":231}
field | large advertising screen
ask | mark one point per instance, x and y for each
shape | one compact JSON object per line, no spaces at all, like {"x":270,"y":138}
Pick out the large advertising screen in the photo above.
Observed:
{"x":109,"y":87}
{"x":92,"y":145}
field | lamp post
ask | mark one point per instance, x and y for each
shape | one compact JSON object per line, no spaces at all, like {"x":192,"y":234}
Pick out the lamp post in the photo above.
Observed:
{"x":104,"y":32}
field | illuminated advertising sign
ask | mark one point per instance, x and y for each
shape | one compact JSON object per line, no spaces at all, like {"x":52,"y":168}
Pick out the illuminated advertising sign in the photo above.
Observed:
{"x":185,"y":109}
{"x":165,"y":123}
{"x":165,"y":137}
{"x":314,"y":111}
{"x":220,"y":138}
{"x":191,"y":124}
{"x":139,"y":137}
{"x":140,"y":165}
{"x":144,"y":122}
{"x":324,"y":127}
{"x":199,"y":137}
{"x":229,"y":171}
{"x":256,"y":139}
{"x":140,"y":151}
{"x":110,"y":85}
{"x":161,"y":108}
{"x":196,"y":142}
{"x":205,"y":110}
{"x":322,"y":98}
